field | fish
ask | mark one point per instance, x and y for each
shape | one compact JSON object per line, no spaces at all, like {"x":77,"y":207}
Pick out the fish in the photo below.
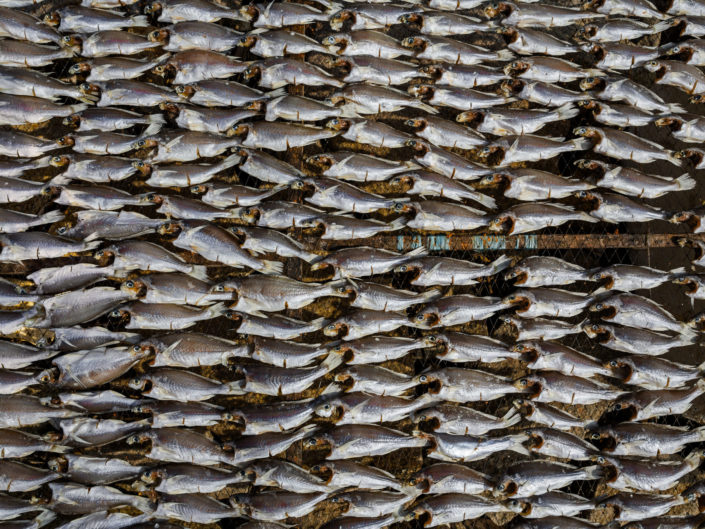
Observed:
{"x":625,"y":145}
{"x":109,"y":42}
{"x":551,"y":504}
{"x":345,"y":227}
{"x":70,"y":498}
{"x":631,"y":506}
{"x":466,"y":448}
{"x":508,"y":121}
{"x":458,"y":98}
{"x":443,"y":24}
{"x":444,"y":49}
{"x":112,"y":119}
{"x":647,"y":476}
{"x":370,"y":16}
{"x":621,"y":29}
{"x":180,"y":445}
{"x":25,"y":110}
{"x":163,"y":316}
{"x":364,"y":408}
{"x":616,"y":208}
{"x":284,"y":475}
{"x":559,"y":444}
{"x":370,"y":504}
{"x":82,"y":19}
{"x":18,"y":444}
{"x":643,"y":439}
{"x":547,"y":415}
{"x":192,"y":70}
{"x":278,"y":72}
{"x":374,"y":380}
{"x":637,"y":311}
{"x":183,"y":10}
{"x":94,"y":168}
{"x":356,"y":440}
{"x":195,"y":35}
{"x":121,"y":92}
{"x":363,"y":99}
{"x":364,"y":261}
{"x":436,"y":215}
{"x":552,"y":386}
{"x":457,"y":310}
{"x":619,"y":56}
{"x":541,"y":328}
{"x":276,"y":505}
{"x":364,"y":322}
{"x":554,"y":302}
{"x":272,"y":419}
{"x":193,"y":508}
{"x":346,"y":198}
{"x":617,"y":115}
{"x":645,"y":404}
{"x":542,"y":93}
{"x":184,"y":478}
{"x":445,"y":162}
{"x":273,"y":326}
{"x":342,"y":474}
{"x":635,"y":340}
{"x":554,"y":356}
{"x":528,"y":217}
{"x":548,"y":70}
{"x":526,"y":41}
{"x":271,"y":241}
{"x":364,"y":42}
{"x":445,"y":133}
{"x":278,"y":136}
{"x":623,"y":89}
{"x":283,"y":14}
{"x":103,"y":69}
{"x":545,"y":271}
{"x":445,"y":478}
{"x":170,"y":414}
{"x":377,"y":70}
{"x":651,"y":372}
{"x":15,"y":221}
{"x":277,"y":381}
{"x":460,"y":347}
{"x":464,"y":76}
{"x":686,"y":77}
{"x":529,"y":148}
{"x":456,"y":384}
{"x":19,"y":477}
{"x":356,"y":167}
{"x":530,"y":478}
{"x":432,"y":184}
{"x":94,"y":470}
{"x":431,"y":270}
{"x":93,"y":401}
{"x":22,"y":54}
{"x":374,"y":349}
{"x":537,"y":16}
{"x":451,"y":508}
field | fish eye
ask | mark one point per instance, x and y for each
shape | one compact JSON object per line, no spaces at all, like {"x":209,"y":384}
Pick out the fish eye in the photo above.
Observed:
{"x":342,"y":289}
{"x":403,"y":268}
{"x":420,"y":317}
{"x":501,"y":487}
{"x":431,"y":338}
{"x":595,"y":436}
{"x":141,"y":143}
{"x":331,"y":327}
{"x":219,"y":288}
{"x":85,"y":86}
{"x":423,"y":378}
{"x":523,"y":382}
{"x":311,"y":441}
{"x":129,"y":283}
{"x":590,"y":79}
{"x":515,"y":64}
{"x":136,"y":348}
{"x":599,"y":306}
{"x":66,"y":38}
{"x":326,"y":407}
{"x":614,"y":363}
{"x":56,"y":159}
{"x":601,"y":460}
{"x":62,"y":230}
{"x":140,"y":164}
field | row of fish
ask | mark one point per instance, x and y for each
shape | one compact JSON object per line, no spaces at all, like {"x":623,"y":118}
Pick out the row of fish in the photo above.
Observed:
{"x":183,"y":343}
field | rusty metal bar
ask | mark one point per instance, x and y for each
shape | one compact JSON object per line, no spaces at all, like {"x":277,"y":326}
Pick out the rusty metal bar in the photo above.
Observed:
{"x":528,"y":242}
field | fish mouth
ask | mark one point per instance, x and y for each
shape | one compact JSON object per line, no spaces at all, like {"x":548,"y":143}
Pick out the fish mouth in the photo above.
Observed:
{"x":428,"y":320}
{"x":431,"y":423}
{"x":535,"y":442}
{"x":522,"y":303}
{"x":345,"y":380}
{"x":606,"y":443}
{"x":510,"y":489}
{"x":502,"y":224}
{"x":691,"y":287}
{"x":625,"y":413}
{"x":530,"y":355}
{"x":520,"y":276}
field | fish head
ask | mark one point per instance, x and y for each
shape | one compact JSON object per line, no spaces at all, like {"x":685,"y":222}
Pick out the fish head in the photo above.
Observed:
{"x":488,"y":150}
{"x":694,"y":155}
{"x":653,"y":66}
{"x":200,"y":189}
{"x":103,"y":254}
{"x":403,"y":180}
{"x":252,"y":71}
{"x":48,"y":376}
{"x":52,"y":19}
{"x":247,"y":41}
{"x":336,"y":43}
{"x":145,"y":143}
{"x":71,"y":41}
{"x":418,"y":484}
{"x":436,"y":340}
{"x":78,"y":68}
{"x":518,"y":273}
{"x":341,"y":501}
{"x":233,"y":316}
{"x":250,"y":214}
{"x":592,"y":48}
{"x":321,"y":161}
{"x":58,"y":464}
{"x":621,"y":368}
{"x":220,"y":288}
{"x":172,"y":110}
{"x":169,"y":228}
{"x":605,"y":307}
{"x":302,"y":185}
{"x":416,"y":123}
{"x":249,"y":12}
{"x":503,"y":223}
{"x":346,"y":290}
{"x":153,"y":475}
{"x":154,"y":8}
{"x":411,"y":19}
{"x":428,"y":419}
{"x":159,"y":35}
{"x":329,"y":410}
{"x":522,"y":302}
{"x":528,"y":350}
{"x":323,"y":471}
{"x":343,"y":350}
{"x":418,"y":145}
{"x":138,"y":438}
{"x":602,"y":440}
{"x":589,"y":104}
{"x":414,"y":268}
{"x":524,"y":406}
{"x":166,"y":70}
{"x":590,"y":83}
{"x":426,"y":319}
{"x":586,"y":132}
{"x":335,"y":329}
{"x":414,"y":43}
{"x":509,"y":87}
{"x":119,"y":315}
{"x":697,"y":98}
{"x":73,"y":121}
{"x":316,"y":442}
{"x":51,"y":401}
{"x":66,"y":141}
{"x":184,"y":91}
{"x":339,"y":124}
{"x":507,"y":487}
{"x":518,"y":506}
{"x":689,"y":282}
{"x":59,"y":161}
{"x":587,"y":32}
{"x":669,"y":121}
{"x":495,"y":9}
{"x":144,"y":168}
{"x":430,"y":381}
{"x":432,"y":70}
{"x":421,"y":91}
{"x":139,"y":383}
{"x":151,"y":198}
{"x":471,"y":117}
{"x":240,"y":129}
{"x":586,"y":194}
{"x":134,"y":287}
{"x":401,"y":207}
{"x":338,"y":19}
{"x":622,"y":410}
{"x":516,"y":68}
{"x":698,"y":321}
{"x":528,"y":385}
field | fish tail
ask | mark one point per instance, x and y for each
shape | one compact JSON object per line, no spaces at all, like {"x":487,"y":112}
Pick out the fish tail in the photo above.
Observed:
{"x":581,"y":144}
{"x":139,"y":21}
{"x":92,"y":245}
{"x":430,"y":295}
{"x":486,"y":201}
{"x":79,"y":107}
{"x":566,"y":111}
{"x":511,"y":418}
{"x":694,"y":459}
{"x":501,"y":263}
{"x":585,"y":217}
{"x":428,"y":108}
{"x":44,"y":518}
{"x":154,"y":126}
{"x":162,"y":58}
{"x":50,"y":217}
{"x":429,"y":440}
{"x":594,"y":472}
{"x":505,"y":55}
{"x":417,"y":252}
{"x":318,"y":323}
{"x":396,"y":224}
{"x":60,"y":449}
{"x":231,"y":160}
{"x":675,"y":108}
{"x":143,"y":504}
{"x":272,"y":268}
{"x":348,"y":111}
{"x":518,"y":447}
{"x":199,"y":272}
{"x":685,"y":182}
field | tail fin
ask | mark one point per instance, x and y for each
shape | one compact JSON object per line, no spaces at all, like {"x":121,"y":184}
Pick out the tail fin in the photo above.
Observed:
{"x":318,"y":323}
{"x":50,"y":217}
{"x":694,"y":459}
{"x":504,"y":55}
{"x":486,"y":201}
{"x":581,"y":144}
{"x":511,"y":418}
{"x":421,"y":251}
{"x":78,"y":108}
{"x":272,"y":268}
{"x":518,"y":447}
{"x":159,"y":60}
{"x":430,"y":295}
{"x":396,"y":224}
{"x":199,"y":272}
{"x":675,"y":108}
{"x":348,"y":111}
{"x":143,"y":504}
{"x":139,"y":21}
{"x":427,"y":108}
{"x":594,"y":472}
{"x":501,"y":263}
{"x":685,"y":182}
{"x":154,"y":126}
{"x":231,"y":160}
{"x":566,"y":111}
{"x":585,"y":217}
{"x":44,"y":518}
